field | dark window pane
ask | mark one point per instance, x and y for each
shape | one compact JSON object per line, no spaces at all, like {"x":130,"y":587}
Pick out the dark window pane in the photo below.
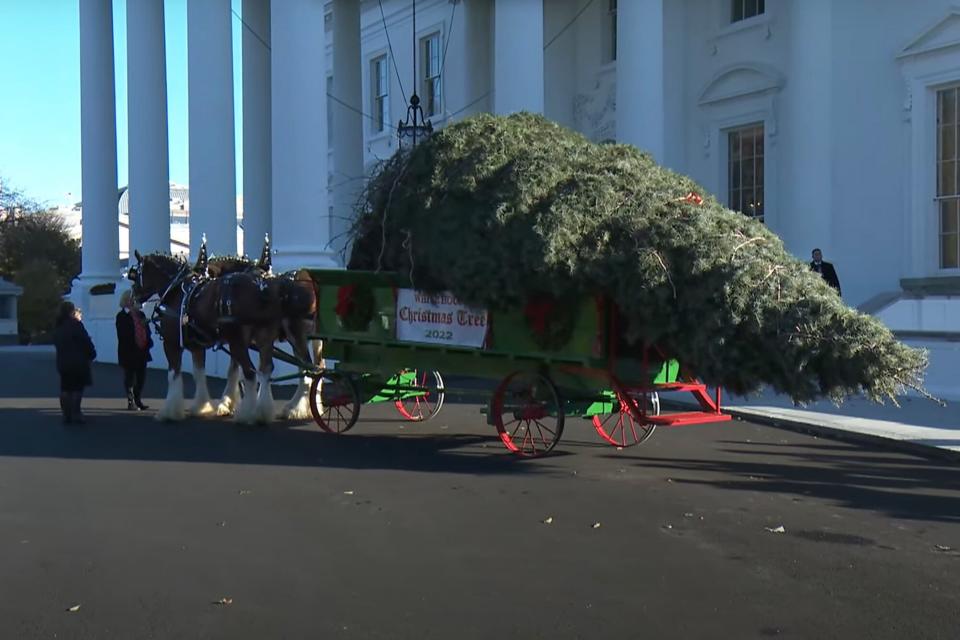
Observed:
{"x":949,"y":251}
{"x":746,"y":174}
{"x":747,"y":144}
{"x":737,"y":10}
{"x":750,"y":8}
{"x":949,"y":221}
{"x":734,"y":146}
{"x":948,"y":106}
{"x":948,"y":143}
{"x":745,"y":171}
{"x":761,"y":6}
{"x":948,"y":179}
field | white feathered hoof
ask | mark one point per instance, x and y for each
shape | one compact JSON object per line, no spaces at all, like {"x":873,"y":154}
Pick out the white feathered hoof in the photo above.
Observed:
{"x":173,"y":409}
{"x":225,"y":408}
{"x":297,"y":409}
{"x":266,"y":409}
{"x":247,"y":411}
{"x":202,"y":409}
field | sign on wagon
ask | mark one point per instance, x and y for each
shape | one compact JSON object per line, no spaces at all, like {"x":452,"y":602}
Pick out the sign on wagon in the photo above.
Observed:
{"x":439,"y":319}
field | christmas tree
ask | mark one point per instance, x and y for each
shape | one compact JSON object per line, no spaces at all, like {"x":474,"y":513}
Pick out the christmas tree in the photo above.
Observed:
{"x":502,"y":210}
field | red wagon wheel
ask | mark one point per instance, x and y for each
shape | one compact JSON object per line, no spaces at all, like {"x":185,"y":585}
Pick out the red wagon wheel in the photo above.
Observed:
{"x":625,"y":426}
{"x":528,"y":414}
{"x":334,"y":402}
{"x":422,"y":406}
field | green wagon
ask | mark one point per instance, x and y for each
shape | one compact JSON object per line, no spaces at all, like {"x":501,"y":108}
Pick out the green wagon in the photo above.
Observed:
{"x":551,"y":361}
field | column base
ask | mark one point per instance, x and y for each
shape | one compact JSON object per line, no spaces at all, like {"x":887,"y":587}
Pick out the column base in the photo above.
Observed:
{"x":99,"y":308}
{"x":97,"y":295}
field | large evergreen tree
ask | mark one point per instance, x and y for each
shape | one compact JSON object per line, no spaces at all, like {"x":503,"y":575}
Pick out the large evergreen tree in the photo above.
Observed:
{"x":500,"y":210}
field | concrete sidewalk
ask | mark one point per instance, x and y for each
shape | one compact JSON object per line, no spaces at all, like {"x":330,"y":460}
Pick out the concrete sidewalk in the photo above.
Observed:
{"x":918,"y":425}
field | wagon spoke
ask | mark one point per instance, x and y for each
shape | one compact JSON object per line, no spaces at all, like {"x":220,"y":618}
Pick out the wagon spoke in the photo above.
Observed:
{"x":525,"y":410}
{"x":529,"y":435}
{"x":540,"y":433}
{"x":334,"y":403}
{"x":628,"y":412}
{"x":634,"y":430}
{"x":420,"y":399}
{"x":545,"y":427}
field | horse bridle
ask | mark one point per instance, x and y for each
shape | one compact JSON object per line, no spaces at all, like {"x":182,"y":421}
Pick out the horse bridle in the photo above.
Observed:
{"x":158,"y":309}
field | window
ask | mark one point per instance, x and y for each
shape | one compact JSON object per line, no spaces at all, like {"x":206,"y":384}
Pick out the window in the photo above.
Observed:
{"x":430,"y":94}
{"x":743,"y":9}
{"x":745,"y":182}
{"x":948,"y":181}
{"x":380,"y":93}
{"x":611,"y":22}
{"x":6,"y":308}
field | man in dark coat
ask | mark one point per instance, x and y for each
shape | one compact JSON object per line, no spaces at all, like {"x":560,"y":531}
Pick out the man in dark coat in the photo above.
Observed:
{"x":75,"y":352}
{"x":825,"y":269}
{"x":133,"y":349}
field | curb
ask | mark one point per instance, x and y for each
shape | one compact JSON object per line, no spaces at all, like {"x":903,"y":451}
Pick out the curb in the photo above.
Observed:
{"x":833,"y":433}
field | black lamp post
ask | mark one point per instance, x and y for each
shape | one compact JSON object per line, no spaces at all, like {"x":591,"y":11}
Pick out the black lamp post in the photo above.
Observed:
{"x":415,"y":128}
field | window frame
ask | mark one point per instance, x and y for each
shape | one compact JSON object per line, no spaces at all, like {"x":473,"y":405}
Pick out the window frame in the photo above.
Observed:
{"x":758,"y":169}
{"x":609,"y":38}
{"x":739,"y":10}
{"x":430,"y":101}
{"x":379,"y":96}
{"x":947,"y":198}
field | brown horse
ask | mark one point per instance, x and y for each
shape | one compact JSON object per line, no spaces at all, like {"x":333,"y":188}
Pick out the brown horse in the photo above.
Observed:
{"x":298,"y":300}
{"x":195,"y":313}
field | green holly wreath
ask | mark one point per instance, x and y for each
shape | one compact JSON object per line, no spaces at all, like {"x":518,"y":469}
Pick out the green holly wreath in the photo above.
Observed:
{"x":551,"y":321}
{"x":354,"y":308}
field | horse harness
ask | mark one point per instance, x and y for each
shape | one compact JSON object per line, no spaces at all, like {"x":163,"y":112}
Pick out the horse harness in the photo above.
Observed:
{"x":190,"y":286}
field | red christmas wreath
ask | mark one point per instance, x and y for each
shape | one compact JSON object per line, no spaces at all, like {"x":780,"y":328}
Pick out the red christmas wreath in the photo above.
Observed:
{"x":354,"y":307}
{"x":551,"y":321}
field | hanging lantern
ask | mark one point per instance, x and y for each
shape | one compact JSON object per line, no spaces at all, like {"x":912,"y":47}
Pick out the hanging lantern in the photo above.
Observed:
{"x":414,"y":129}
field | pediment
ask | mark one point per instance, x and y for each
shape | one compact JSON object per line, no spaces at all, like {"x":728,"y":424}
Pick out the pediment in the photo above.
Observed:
{"x":943,"y":34}
{"x":740,"y":81}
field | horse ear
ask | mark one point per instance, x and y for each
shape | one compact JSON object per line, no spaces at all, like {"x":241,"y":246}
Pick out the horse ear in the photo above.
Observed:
{"x":138,"y":256}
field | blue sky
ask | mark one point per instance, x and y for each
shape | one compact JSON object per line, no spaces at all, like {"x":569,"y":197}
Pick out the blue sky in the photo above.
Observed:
{"x":40,"y":110}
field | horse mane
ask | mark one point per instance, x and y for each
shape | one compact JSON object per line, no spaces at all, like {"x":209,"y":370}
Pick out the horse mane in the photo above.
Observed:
{"x":222,"y":265}
{"x":165,"y":259}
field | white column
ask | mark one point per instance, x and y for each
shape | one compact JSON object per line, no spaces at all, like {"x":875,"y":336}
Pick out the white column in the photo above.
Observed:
{"x":649,"y":71}
{"x":473,"y":24}
{"x":518,"y":56}
{"x":213,"y":176}
{"x":807,"y":218}
{"x":98,"y":144}
{"x":301,"y":225}
{"x":257,"y":195}
{"x":348,"y":122}
{"x":147,"y":119}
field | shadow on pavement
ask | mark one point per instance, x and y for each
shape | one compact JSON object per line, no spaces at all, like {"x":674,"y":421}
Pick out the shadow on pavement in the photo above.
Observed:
{"x":119,"y":435}
{"x":30,"y":427}
{"x":898,"y":485}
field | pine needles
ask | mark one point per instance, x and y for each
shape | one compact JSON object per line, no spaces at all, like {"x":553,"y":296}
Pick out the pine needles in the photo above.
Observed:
{"x":500,"y":210}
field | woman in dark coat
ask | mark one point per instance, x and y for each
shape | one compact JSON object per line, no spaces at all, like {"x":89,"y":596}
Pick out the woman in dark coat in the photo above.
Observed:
{"x":75,"y":352}
{"x":133,"y":349}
